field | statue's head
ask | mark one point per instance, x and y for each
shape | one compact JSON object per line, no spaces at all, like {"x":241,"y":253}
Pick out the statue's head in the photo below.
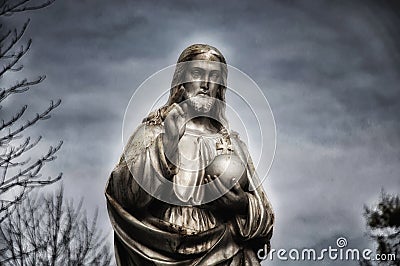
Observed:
{"x":201,"y":70}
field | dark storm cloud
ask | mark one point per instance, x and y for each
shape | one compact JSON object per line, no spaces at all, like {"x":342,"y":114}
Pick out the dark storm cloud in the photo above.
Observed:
{"x":329,"y":70}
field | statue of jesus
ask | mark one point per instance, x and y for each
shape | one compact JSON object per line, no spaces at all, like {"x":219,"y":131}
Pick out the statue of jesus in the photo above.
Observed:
{"x":185,"y":152}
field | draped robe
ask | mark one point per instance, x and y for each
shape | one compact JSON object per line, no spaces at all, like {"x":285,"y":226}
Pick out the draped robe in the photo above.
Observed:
{"x":148,"y":231}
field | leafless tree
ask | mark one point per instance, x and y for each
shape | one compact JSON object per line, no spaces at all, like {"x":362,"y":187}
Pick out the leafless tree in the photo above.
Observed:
{"x":49,"y":230}
{"x":19,"y":174}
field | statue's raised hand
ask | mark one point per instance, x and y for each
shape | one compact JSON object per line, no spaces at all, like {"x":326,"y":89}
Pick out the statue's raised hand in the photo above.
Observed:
{"x":174,"y":124}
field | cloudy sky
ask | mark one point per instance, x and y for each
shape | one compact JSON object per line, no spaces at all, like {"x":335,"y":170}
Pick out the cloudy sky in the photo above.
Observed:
{"x":329,"y":69}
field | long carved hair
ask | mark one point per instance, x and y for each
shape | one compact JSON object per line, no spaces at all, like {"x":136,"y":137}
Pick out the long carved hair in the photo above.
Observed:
{"x":219,"y":107}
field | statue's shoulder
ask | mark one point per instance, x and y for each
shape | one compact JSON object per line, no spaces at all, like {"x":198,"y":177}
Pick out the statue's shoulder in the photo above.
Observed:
{"x":144,"y":135}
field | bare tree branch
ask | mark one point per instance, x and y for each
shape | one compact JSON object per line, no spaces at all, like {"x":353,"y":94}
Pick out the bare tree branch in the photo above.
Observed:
{"x":43,"y":116}
{"x":15,"y":58}
{"x":10,"y":7}
{"x":49,"y":231}
{"x":20,"y":166}
{"x":16,"y":36}
{"x":19,"y":87}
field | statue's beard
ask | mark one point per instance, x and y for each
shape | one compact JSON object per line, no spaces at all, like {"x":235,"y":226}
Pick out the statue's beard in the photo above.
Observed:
{"x":201,"y":103}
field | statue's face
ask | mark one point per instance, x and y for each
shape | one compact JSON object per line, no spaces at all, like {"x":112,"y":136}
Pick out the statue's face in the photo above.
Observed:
{"x":202,"y":81}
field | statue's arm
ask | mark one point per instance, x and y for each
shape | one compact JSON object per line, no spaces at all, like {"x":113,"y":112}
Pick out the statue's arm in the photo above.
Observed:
{"x":124,"y":189}
{"x":143,"y":162}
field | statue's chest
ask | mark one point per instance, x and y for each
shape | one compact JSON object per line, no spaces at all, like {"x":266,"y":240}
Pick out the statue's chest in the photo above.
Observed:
{"x":196,"y":152}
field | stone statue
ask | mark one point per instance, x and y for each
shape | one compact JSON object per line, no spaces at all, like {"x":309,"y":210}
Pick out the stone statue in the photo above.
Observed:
{"x":183,"y":191}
